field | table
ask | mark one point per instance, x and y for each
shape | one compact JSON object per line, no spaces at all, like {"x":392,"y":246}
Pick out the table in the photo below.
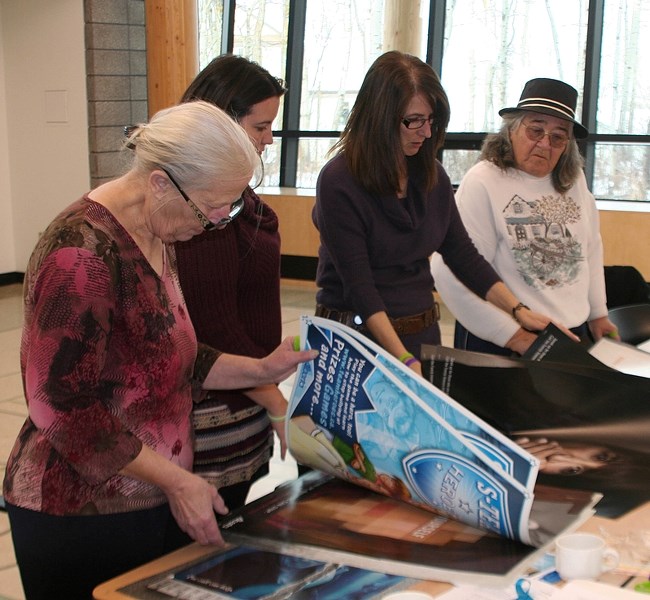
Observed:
{"x":633,"y":521}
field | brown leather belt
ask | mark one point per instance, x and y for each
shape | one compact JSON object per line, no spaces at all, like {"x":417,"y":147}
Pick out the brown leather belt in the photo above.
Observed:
{"x":402,"y":325}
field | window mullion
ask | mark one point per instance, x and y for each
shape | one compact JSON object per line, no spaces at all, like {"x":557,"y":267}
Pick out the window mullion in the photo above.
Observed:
{"x":591,"y":83}
{"x":228,"y":27}
{"x":291,"y":115}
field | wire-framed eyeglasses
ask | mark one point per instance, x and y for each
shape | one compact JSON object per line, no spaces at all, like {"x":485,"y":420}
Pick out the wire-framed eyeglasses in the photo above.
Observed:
{"x":535,"y":133}
{"x":417,"y":122}
{"x":235,"y":208}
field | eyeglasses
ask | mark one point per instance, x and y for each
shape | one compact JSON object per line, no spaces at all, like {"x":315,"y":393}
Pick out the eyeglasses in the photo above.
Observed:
{"x":235,"y":208}
{"x":536,"y":134}
{"x":418,"y":122}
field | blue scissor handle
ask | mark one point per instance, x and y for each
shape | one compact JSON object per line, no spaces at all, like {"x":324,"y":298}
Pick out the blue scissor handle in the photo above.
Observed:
{"x":522,"y":587}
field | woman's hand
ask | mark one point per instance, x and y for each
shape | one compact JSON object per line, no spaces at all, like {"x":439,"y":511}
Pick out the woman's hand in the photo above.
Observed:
{"x":603,"y":327}
{"x":502,"y":297}
{"x":192,"y":500}
{"x":283,"y":361}
{"x":521,"y":341}
{"x":534,"y":321}
{"x":233,"y":372}
{"x":416,"y":367}
{"x":280,"y":430}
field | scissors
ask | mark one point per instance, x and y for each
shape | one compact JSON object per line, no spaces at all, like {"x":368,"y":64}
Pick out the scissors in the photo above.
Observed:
{"x":522,"y":587}
{"x":534,"y":589}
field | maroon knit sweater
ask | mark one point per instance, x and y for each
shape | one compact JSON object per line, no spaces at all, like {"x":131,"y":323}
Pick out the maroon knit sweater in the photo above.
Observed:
{"x":231,"y":282}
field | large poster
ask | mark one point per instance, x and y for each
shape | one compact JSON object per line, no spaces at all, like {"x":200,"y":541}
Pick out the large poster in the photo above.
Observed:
{"x":361,"y":415}
{"x":587,"y":423}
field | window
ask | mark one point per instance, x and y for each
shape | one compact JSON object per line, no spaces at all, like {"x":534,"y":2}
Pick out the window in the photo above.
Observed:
{"x":491,"y":49}
{"x":484,"y":52}
{"x":622,"y":170}
{"x":210,"y":16}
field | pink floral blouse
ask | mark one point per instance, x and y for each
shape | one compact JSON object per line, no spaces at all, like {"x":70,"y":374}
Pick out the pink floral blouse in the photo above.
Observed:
{"x":107,"y":357}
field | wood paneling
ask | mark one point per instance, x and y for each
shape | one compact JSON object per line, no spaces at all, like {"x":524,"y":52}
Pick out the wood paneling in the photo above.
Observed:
{"x":626,"y":235}
{"x":297,"y":231}
{"x":172,"y":50}
{"x":626,"y":239}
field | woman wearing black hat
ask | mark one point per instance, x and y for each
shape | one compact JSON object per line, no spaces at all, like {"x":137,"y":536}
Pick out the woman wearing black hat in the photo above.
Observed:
{"x":527,"y":207}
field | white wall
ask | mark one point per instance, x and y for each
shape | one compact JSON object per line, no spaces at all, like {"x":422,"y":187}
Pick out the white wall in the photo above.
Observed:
{"x":7,"y":254}
{"x":43,"y":120}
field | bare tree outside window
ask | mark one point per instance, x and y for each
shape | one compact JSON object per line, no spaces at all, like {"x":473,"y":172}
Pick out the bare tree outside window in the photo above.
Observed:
{"x":261,"y":33}
{"x":492,"y":48}
{"x":210,"y":14}
{"x":622,"y":171}
{"x":489,"y":50}
{"x":342,"y":39}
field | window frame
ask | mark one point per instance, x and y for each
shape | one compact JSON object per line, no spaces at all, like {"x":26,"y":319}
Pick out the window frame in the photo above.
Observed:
{"x":291,"y":134}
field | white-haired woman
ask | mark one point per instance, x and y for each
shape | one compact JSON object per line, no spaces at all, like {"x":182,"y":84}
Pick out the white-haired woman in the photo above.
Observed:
{"x":98,"y":481}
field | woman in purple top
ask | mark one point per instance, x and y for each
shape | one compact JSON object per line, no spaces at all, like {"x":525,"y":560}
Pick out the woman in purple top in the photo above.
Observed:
{"x":384,"y":204}
{"x":98,"y":481}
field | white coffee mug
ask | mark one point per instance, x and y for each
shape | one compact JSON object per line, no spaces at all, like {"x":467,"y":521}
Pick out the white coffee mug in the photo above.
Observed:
{"x":583,"y":556}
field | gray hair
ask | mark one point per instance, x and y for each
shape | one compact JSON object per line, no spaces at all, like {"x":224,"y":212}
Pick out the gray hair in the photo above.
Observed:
{"x":197,"y":142}
{"x":497,"y":149}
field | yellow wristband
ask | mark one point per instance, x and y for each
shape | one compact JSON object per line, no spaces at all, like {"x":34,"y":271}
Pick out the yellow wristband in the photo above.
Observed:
{"x":405,"y":357}
{"x":276,"y":419}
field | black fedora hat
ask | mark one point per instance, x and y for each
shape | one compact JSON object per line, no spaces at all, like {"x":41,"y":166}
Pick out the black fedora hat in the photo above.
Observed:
{"x":550,"y":97}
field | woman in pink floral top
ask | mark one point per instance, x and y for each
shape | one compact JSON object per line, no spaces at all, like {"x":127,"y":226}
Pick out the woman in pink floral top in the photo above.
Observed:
{"x":98,"y":481}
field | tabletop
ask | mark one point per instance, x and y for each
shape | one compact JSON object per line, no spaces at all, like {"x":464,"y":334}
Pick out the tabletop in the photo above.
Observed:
{"x":614,"y":529}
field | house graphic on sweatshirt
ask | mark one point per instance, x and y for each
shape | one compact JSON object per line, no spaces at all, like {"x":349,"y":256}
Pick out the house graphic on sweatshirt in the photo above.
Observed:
{"x":541,"y":240}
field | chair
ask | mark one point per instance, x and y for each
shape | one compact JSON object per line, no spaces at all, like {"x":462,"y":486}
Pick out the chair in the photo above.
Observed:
{"x":633,"y":322}
{"x":625,"y":285}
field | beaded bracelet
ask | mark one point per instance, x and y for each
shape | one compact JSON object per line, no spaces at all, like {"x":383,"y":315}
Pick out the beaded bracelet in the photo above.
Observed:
{"x":276,"y":419}
{"x":518,"y":308}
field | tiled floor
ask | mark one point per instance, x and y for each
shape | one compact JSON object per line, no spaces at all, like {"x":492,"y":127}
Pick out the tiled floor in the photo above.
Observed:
{"x":12,"y":415}
{"x":297,"y":299}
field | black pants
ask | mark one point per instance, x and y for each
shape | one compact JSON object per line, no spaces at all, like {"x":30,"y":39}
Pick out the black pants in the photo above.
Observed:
{"x":67,"y":557}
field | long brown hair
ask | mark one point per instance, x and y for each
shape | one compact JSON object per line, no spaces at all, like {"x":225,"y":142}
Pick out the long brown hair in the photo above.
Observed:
{"x":371,"y":137}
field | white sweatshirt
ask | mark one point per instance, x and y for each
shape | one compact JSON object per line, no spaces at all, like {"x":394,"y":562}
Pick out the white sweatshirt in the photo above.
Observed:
{"x":545,"y":246}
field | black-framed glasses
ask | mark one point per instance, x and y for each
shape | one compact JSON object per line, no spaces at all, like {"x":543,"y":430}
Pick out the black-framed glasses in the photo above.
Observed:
{"x":235,"y":208}
{"x":417,"y":122}
{"x":535,"y":133}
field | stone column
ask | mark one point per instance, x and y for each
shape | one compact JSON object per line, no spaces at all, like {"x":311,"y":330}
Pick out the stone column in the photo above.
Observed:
{"x":116,"y":69}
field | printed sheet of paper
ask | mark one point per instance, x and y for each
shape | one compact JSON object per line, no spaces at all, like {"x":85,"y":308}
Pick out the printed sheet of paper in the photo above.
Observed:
{"x":354,"y":417}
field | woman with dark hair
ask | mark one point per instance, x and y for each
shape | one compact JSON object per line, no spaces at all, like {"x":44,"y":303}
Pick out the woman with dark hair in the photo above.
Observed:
{"x":527,"y":207}
{"x":384,"y":204}
{"x":238,"y":269}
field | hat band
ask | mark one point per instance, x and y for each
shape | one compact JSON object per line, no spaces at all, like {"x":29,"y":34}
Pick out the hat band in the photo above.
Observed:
{"x":546,"y":103}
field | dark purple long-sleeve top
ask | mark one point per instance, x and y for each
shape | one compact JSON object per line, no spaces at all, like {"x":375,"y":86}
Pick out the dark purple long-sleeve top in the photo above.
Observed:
{"x":374,"y":252}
